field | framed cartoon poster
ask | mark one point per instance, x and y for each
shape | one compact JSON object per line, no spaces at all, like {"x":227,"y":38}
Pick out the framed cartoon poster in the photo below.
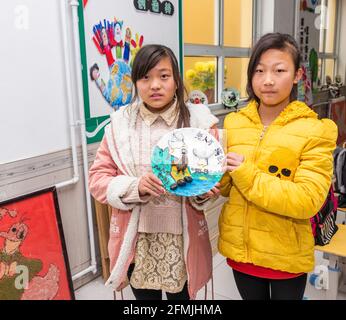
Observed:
{"x":112,"y":32}
{"x":33,"y":257}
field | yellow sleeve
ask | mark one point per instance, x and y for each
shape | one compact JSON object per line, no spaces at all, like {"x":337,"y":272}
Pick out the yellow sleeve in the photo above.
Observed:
{"x":302,"y":197}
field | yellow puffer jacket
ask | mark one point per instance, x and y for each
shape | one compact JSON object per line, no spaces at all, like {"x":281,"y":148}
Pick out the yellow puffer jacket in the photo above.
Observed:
{"x":283,"y":181}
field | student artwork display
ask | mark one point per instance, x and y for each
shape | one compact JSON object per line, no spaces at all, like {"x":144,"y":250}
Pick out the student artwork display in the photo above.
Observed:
{"x":33,"y":258}
{"x":188,"y":161}
{"x":117,"y":48}
{"x":111,"y":34}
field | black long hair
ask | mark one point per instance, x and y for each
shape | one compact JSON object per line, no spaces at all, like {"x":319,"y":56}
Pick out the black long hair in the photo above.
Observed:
{"x":146,"y":59}
{"x":280,"y":41}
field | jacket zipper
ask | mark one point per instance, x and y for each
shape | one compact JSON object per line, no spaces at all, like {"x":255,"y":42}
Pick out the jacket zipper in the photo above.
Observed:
{"x":247,"y":216}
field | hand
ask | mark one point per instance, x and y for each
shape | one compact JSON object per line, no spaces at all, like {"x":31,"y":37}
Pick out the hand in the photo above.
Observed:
{"x":150,"y":184}
{"x":233,"y":161}
{"x":214,"y":192}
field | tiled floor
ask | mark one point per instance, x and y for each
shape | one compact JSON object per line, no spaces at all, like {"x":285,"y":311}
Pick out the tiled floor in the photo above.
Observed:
{"x":224,"y":286}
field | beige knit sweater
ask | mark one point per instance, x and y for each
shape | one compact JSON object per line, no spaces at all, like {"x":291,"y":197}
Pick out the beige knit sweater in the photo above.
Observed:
{"x":161,"y":214}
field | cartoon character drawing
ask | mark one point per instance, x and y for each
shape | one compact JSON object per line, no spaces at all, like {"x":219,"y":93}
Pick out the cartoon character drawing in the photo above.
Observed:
{"x":104,"y":40}
{"x":281,"y":163}
{"x":11,"y":258}
{"x":162,"y":163}
{"x":117,"y":90}
{"x":43,"y":288}
{"x":127,"y":45}
{"x":118,"y":42}
{"x":5,"y":211}
{"x":179,"y":169}
{"x":95,"y":76}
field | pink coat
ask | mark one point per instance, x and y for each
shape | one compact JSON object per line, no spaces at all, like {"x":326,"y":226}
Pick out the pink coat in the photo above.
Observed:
{"x":107,"y":182}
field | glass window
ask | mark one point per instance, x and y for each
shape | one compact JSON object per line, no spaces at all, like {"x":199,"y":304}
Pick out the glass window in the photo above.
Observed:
{"x":217,"y":45}
{"x":199,"y":22}
{"x":330,"y":26}
{"x":320,"y":71}
{"x":329,"y":68}
{"x":327,"y":39}
{"x":236,"y":74}
{"x":200,"y":74}
{"x":238,"y":23}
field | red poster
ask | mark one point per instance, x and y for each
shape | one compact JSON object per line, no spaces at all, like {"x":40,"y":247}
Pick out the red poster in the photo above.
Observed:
{"x":337,"y":112}
{"x":33,"y":256}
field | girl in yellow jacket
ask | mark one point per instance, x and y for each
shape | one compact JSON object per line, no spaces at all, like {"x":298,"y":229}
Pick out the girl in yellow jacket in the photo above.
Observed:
{"x":279,"y":169}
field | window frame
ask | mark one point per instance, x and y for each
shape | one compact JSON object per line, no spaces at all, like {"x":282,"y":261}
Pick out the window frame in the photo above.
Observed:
{"x":323,"y":55}
{"x":220,"y":51}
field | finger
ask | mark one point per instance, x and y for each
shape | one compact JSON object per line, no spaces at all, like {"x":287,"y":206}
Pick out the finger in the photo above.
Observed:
{"x":158,"y":187}
{"x":230,"y":168}
{"x":235,"y":156}
{"x":209,"y":194}
{"x":155,"y":188}
{"x":155,"y":184}
{"x":234,"y":159}
{"x":154,"y":178}
{"x":215,"y":191}
{"x":233,"y":162}
{"x":231,"y":155}
{"x":151,"y":191}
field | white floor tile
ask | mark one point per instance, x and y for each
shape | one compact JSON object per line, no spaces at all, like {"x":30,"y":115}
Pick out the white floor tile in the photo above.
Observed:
{"x":94,"y":290}
{"x":224,"y":286}
{"x":217,"y":259}
{"x":224,"y":283}
{"x":201,"y":296}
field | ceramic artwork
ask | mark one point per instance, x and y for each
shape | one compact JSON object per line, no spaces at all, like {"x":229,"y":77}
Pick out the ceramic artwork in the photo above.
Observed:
{"x":198,"y":97}
{"x":230,"y":97}
{"x":188,"y":161}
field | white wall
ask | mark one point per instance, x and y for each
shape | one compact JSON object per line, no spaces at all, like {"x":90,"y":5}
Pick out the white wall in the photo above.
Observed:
{"x":265,"y":19}
{"x":284,"y":16}
{"x":33,"y":113}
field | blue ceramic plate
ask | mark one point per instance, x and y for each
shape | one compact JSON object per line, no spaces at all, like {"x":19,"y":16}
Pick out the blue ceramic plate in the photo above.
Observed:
{"x":188,"y":161}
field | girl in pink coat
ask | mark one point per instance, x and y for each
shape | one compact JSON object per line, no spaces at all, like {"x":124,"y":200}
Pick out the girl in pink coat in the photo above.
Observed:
{"x":158,"y":241}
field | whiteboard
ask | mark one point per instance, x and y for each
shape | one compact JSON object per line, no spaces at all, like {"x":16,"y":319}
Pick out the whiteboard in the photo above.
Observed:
{"x":33,"y":113}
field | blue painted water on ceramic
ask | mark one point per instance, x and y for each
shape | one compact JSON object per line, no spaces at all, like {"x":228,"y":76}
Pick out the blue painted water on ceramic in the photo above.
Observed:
{"x":201,"y":182}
